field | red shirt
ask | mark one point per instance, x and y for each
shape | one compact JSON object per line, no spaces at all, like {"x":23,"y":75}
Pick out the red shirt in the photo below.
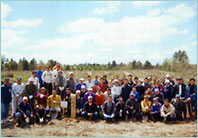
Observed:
{"x":103,"y":87}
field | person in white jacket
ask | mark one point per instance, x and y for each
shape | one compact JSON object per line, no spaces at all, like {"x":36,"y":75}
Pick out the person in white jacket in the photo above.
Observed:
{"x":47,"y":78}
{"x":35,"y":81}
{"x":167,"y":111}
{"x":17,"y":89}
{"x":116,"y":91}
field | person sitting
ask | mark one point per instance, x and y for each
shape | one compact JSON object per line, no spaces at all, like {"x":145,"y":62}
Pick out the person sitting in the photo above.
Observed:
{"x":109,"y":109}
{"x":145,"y":108}
{"x":90,"y":109}
{"x":89,"y":93}
{"x":82,"y":91}
{"x":178,"y":104}
{"x":136,"y":93}
{"x":132,"y":108}
{"x":150,"y":94}
{"x":155,"y":110}
{"x":79,"y":103}
{"x":53,"y":105}
{"x":66,"y":96}
{"x":24,"y":113}
{"x":167,"y":111}
{"x":41,"y":104}
{"x":157,"y":85}
{"x":100,"y":99}
{"x":120,"y":110}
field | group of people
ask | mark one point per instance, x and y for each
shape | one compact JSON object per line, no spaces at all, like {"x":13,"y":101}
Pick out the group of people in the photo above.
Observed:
{"x":124,"y":98}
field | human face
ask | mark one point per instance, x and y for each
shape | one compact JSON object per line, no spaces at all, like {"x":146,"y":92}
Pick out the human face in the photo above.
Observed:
{"x":58,"y":67}
{"x":134,"y":89}
{"x":121,"y":101}
{"x":101,"y":81}
{"x":47,"y":68}
{"x":6,"y":82}
{"x":34,"y":75}
{"x":166,"y":103}
{"x":125,"y":82}
{"x":108,"y":92}
{"x":90,"y":92}
{"x":25,"y":101}
{"x":192,"y":82}
{"x":39,"y":68}
{"x":18,"y":81}
{"x":68,"y":91}
{"x":89,"y":78}
{"x":155,"y":102}
{"x":130,"y":78}
{"x":71,"y":76}
{"x":132,"y":96}
{"x":54,"y":92}
{"x":109,"y":99}
{"x":43,"y":91}
{"x":31,"y":82}
{"x":90,"y":100}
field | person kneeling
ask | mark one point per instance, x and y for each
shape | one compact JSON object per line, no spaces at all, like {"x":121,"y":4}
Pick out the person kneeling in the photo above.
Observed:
{"x":145,"y":107}
{"x":90,"y":109}
{"x":155,"y":110}
{"x":109,"y":109}
{"x":167,"y":111}
{"x":24,"y":113}
{"x":53,"y":105}
{"x":120,"y":110}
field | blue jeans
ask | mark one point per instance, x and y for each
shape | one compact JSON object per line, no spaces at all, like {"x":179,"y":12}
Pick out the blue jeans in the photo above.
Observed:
{"x":4,"y":110}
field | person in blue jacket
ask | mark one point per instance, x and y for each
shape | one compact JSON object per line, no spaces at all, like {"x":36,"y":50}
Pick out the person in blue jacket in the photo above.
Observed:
{"x":168,"y":91}
{"x":89,"y":93}
{"x":6,"y":98}
{"x":81,"y":83}
{"x":39,"y":73}
{"x":135,"y":92}
{"x":155,"y":110}
{"x":79,"y":103}
{"x":126,"y":89}
{"x":191,"y":92}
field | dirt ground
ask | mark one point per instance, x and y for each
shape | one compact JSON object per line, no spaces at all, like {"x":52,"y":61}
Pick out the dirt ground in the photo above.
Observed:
{"x":83,"y":128}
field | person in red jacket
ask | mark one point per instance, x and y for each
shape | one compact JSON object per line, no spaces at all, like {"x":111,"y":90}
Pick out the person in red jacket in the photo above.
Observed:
{"x":102,"y":85}
{"x":100,"y":99}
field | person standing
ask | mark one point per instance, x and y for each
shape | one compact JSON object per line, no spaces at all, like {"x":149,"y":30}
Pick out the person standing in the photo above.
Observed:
{"x":6,"y":98}
{"x":71,"y":83}
{"x":47,"y":78}
{"x":17,"y":89}
{"x":39,"y":73}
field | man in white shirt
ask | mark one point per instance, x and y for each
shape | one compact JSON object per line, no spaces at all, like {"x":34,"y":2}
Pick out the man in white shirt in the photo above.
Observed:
{"x":116,"y":90}
{"x":47,"y":78}
{"x":17,"y":89}
{"x":89,"y":83}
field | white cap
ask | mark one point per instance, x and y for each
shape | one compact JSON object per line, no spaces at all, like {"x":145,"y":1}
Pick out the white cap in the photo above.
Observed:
{"x":167,"y":81}
{"x":78,"y":91}
{"x":71,"y":73}
{"x":115,"y":80}
{"x":89,"y":97}
{"x":167,"y":75}
{"x":156,"y":90}
{"x":83,"y":86}
{"x":31,"y":79}
{"x":81,"y":79}
{"x":89,"y":89}
{"x":25,"y":98}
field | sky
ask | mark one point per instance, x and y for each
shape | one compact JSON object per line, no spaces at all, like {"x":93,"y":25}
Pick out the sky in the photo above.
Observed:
{"x":98,"y":32}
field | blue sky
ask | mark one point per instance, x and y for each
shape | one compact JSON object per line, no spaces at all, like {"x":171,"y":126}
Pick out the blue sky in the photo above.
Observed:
{"x":98,"y":32}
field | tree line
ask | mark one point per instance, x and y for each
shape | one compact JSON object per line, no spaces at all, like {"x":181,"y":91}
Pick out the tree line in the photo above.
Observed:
{"x":178,"y":62}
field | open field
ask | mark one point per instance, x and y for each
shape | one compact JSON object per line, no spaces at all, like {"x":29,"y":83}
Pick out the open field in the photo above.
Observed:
{"x":73,"y":128}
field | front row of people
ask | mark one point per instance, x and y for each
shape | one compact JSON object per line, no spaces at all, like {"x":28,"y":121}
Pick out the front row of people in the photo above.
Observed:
{"x":97,"y":108}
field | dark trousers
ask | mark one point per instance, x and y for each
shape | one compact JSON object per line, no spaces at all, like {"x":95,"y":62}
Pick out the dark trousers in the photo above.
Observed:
{"x":85,"y":115}
{"x":48,"y":86}
{"x":156,"y":117}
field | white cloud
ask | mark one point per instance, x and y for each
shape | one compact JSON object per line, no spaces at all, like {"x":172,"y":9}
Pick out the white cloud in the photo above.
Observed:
{"x":22,"y":23}
{"x":5,"y":10}
{"x":111,"y":7}
{"x":145,"y":4}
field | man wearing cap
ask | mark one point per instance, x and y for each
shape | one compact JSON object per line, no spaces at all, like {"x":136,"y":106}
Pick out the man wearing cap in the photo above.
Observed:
{"x":168,"y":77}
{"x":116,"y":91}
{"x":168,"y":91}
{"x":90,"y":109}
{"x":79,"y":103}
{"x":132,"y":108}
{"x":191,"y":92}
{"x":167,"y":111}
{"x":35,"y":80}
{"x":82,"y":91}
{"x":30,"y":91}
{"x":41,"y":99}
{"x":24,"y":113}
{"x":120,"y":109}
{"x":17,"y":89}
{"x":71,"y":82}
{"x":159,"y":96}
{"x":89,"y":93}
{"x":53,"y":103}
{"x":157,"y":85}
{"x":141,"y":90}
{"x":89,"y":83}
{"x":178,"y":104}
{"x":66,"y":96}
{"x":78,"y":86}
{"x":39,"y":73}
{"x":155,"y":110}
{"x":109,"y":109}
{"x":179,"y":88}
{"x":60,"y":83}
{"x":6,"y":98}
{"x":126,"y":89}
{"x":47,"y":79}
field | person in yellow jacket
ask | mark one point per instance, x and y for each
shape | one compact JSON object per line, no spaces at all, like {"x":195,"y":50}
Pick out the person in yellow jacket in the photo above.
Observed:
{"x":53,"y":104}
{"x":145,"y":108}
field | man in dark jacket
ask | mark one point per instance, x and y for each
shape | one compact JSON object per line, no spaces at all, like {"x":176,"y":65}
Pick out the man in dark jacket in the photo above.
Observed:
{"x":130,"y":82}
{"x":132,"y":108}
{"x":126,"y":89}
{"x":66,"y":96}
{"x":79,"y":103}
{"x":141,"y":90}
{"x":159,"y":96}
{"x":178,"y":104}
{"x":109,"y":109}
{"x":168,"y":91}
{"x":155,"y":110}
{"x":90,"y":109}
{"x":120,"y":110}
{"x":71,"y":83}
{"x":24,"y":113}
{"x":6,"y":98}
{"x":30,"y":91}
